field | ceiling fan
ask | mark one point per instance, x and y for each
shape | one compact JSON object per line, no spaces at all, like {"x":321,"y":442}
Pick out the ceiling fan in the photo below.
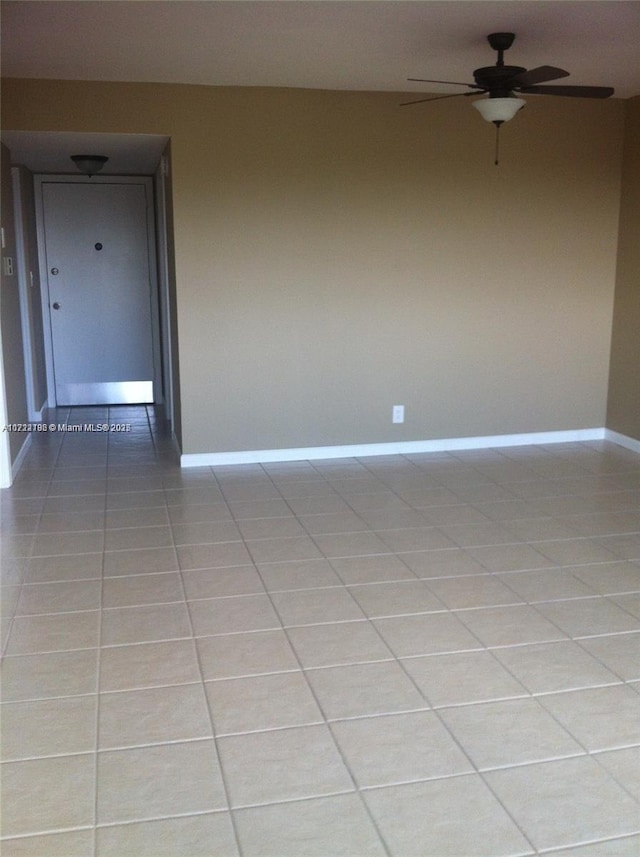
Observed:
{"x":502,"y":83}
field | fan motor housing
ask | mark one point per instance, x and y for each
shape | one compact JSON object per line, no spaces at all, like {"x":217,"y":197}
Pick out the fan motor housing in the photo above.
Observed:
{"x":492,"y":77}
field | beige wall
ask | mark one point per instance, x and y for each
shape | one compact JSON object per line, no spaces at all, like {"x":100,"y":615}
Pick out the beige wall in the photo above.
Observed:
{"x":623,"y":413}
{"x":336,"y":255}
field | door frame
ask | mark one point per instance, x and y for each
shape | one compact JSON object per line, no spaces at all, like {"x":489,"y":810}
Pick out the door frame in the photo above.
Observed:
{"x":147,"y":182}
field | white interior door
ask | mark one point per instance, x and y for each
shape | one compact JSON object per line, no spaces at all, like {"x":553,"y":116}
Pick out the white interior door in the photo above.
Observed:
{"x":100,"y":291}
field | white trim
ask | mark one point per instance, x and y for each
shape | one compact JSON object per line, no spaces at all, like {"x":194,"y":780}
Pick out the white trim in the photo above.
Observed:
{"x":163,"y":278}
{"x":316,"y":453}
{"x":6,"y":476}
{"x":25,"y":314}
{"x":622,"y":440}
{"x":17,"y":464}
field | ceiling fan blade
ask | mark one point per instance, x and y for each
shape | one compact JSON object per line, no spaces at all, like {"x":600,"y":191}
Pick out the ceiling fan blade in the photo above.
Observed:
{"x":537,"y":75}
{"x":436,"y":98}
{"x":571,"y":91}
{"x":452,"y":82}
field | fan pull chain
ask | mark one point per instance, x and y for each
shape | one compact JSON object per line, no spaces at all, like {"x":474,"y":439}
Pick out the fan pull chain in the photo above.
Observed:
{"x":497,"y":124}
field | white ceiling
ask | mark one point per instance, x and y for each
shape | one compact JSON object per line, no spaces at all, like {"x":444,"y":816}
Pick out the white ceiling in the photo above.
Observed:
{"x":330,"y":44}
{"x":318,"y":44}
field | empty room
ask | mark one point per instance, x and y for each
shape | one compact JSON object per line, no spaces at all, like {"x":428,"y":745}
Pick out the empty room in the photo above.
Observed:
{"x":320,"y":436}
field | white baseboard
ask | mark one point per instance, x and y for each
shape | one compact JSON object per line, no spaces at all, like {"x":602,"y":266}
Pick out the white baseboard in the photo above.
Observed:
{"x":19,"y":459}
{"x":317,"y":453}
{"x":622,"y":440}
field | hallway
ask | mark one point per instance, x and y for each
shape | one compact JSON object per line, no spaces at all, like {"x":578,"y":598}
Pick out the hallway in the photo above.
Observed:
{"x":410,"y":656}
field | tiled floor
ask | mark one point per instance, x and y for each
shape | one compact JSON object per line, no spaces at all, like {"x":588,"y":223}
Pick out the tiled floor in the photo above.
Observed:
{"x":411,"y":656}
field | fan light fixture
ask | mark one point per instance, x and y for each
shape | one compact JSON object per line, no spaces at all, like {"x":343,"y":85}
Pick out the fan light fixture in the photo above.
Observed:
{"x":89,"y":164}
{"x":498,"y":110}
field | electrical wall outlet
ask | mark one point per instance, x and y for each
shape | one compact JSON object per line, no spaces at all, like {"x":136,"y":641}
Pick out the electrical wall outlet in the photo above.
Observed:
{"x":7,"y":266}
{"x":397,"y":414}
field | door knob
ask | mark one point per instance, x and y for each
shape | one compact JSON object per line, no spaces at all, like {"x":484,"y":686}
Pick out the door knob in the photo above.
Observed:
{"x":56,"y":305}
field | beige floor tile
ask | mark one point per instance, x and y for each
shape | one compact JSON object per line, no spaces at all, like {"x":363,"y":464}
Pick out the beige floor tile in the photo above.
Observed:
{"x":148,"y":665}
{"x":509,"y":732}
{"x":546,"y":585}
{"x":70,"y":487}
{"x":283,"y":550}
{"x":153,"y":716}
{"x":372,"y":569}
{"x":462,"y":678}
{"x":630,"y":603}
{"x":510,"y":557}
{"x":620,"y":653}
{"x":54,"y":544}
{"x":283,"y":764}
{"x":138,"y":589}
{"x":628,"y":846}
{"x":271,"y":528}
{"x":261,"y":702}
{"x":397,"y":598}
{"x":235,"y":655}
{"x":217,"y":582}
{"x":87,"y":503}
{"x":362,"y":689}
{"x":200,"y":513}
{"x":54,"y":633}
{"x":156,"y":516}
{"x":624,"y":767}
{"x":56,"y":674}
{"x":307,"y":574}
{"x":575,"y":551}
{"x":48,"y":569}
{"x":233,"y":615}
{"x":42,"y":795}
{"x":310,"y":606}
{"x":555,"y":526}
{"x":548,"y":667}
{"x":610,"y":578}
{"x":588,"y":617}
{"x":317,"y":525}
{"x":426,"y":634}
{"x":141,"y":561}
{"x":415,"y":539}
{"x":242,"y":509}
{"x":48,"y":727}
{"x":565,"y":802}
{"x":449,"y":817}
{"x":70,"y":522}
{"x":460,"y":514}
{"x":338,"y":826}
{"x":338,"y":643}
{"x":123,"y":625}
{"x":399,"y":748}
{"x":587,"y":715}
{"x":477,"y":535}
{"x":351,"y":544}
{"x":205,"y":532}
{"x":452,"y":562}
{"x":213,"y":556}
{"x":129,"y":538}
{"x":510,"y":626}
{"x":76,"y":843}
{"x":193,"y":835}
{"x":480,"y":590}
{"x":152,"y":782}
{"x":63,"y":596}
